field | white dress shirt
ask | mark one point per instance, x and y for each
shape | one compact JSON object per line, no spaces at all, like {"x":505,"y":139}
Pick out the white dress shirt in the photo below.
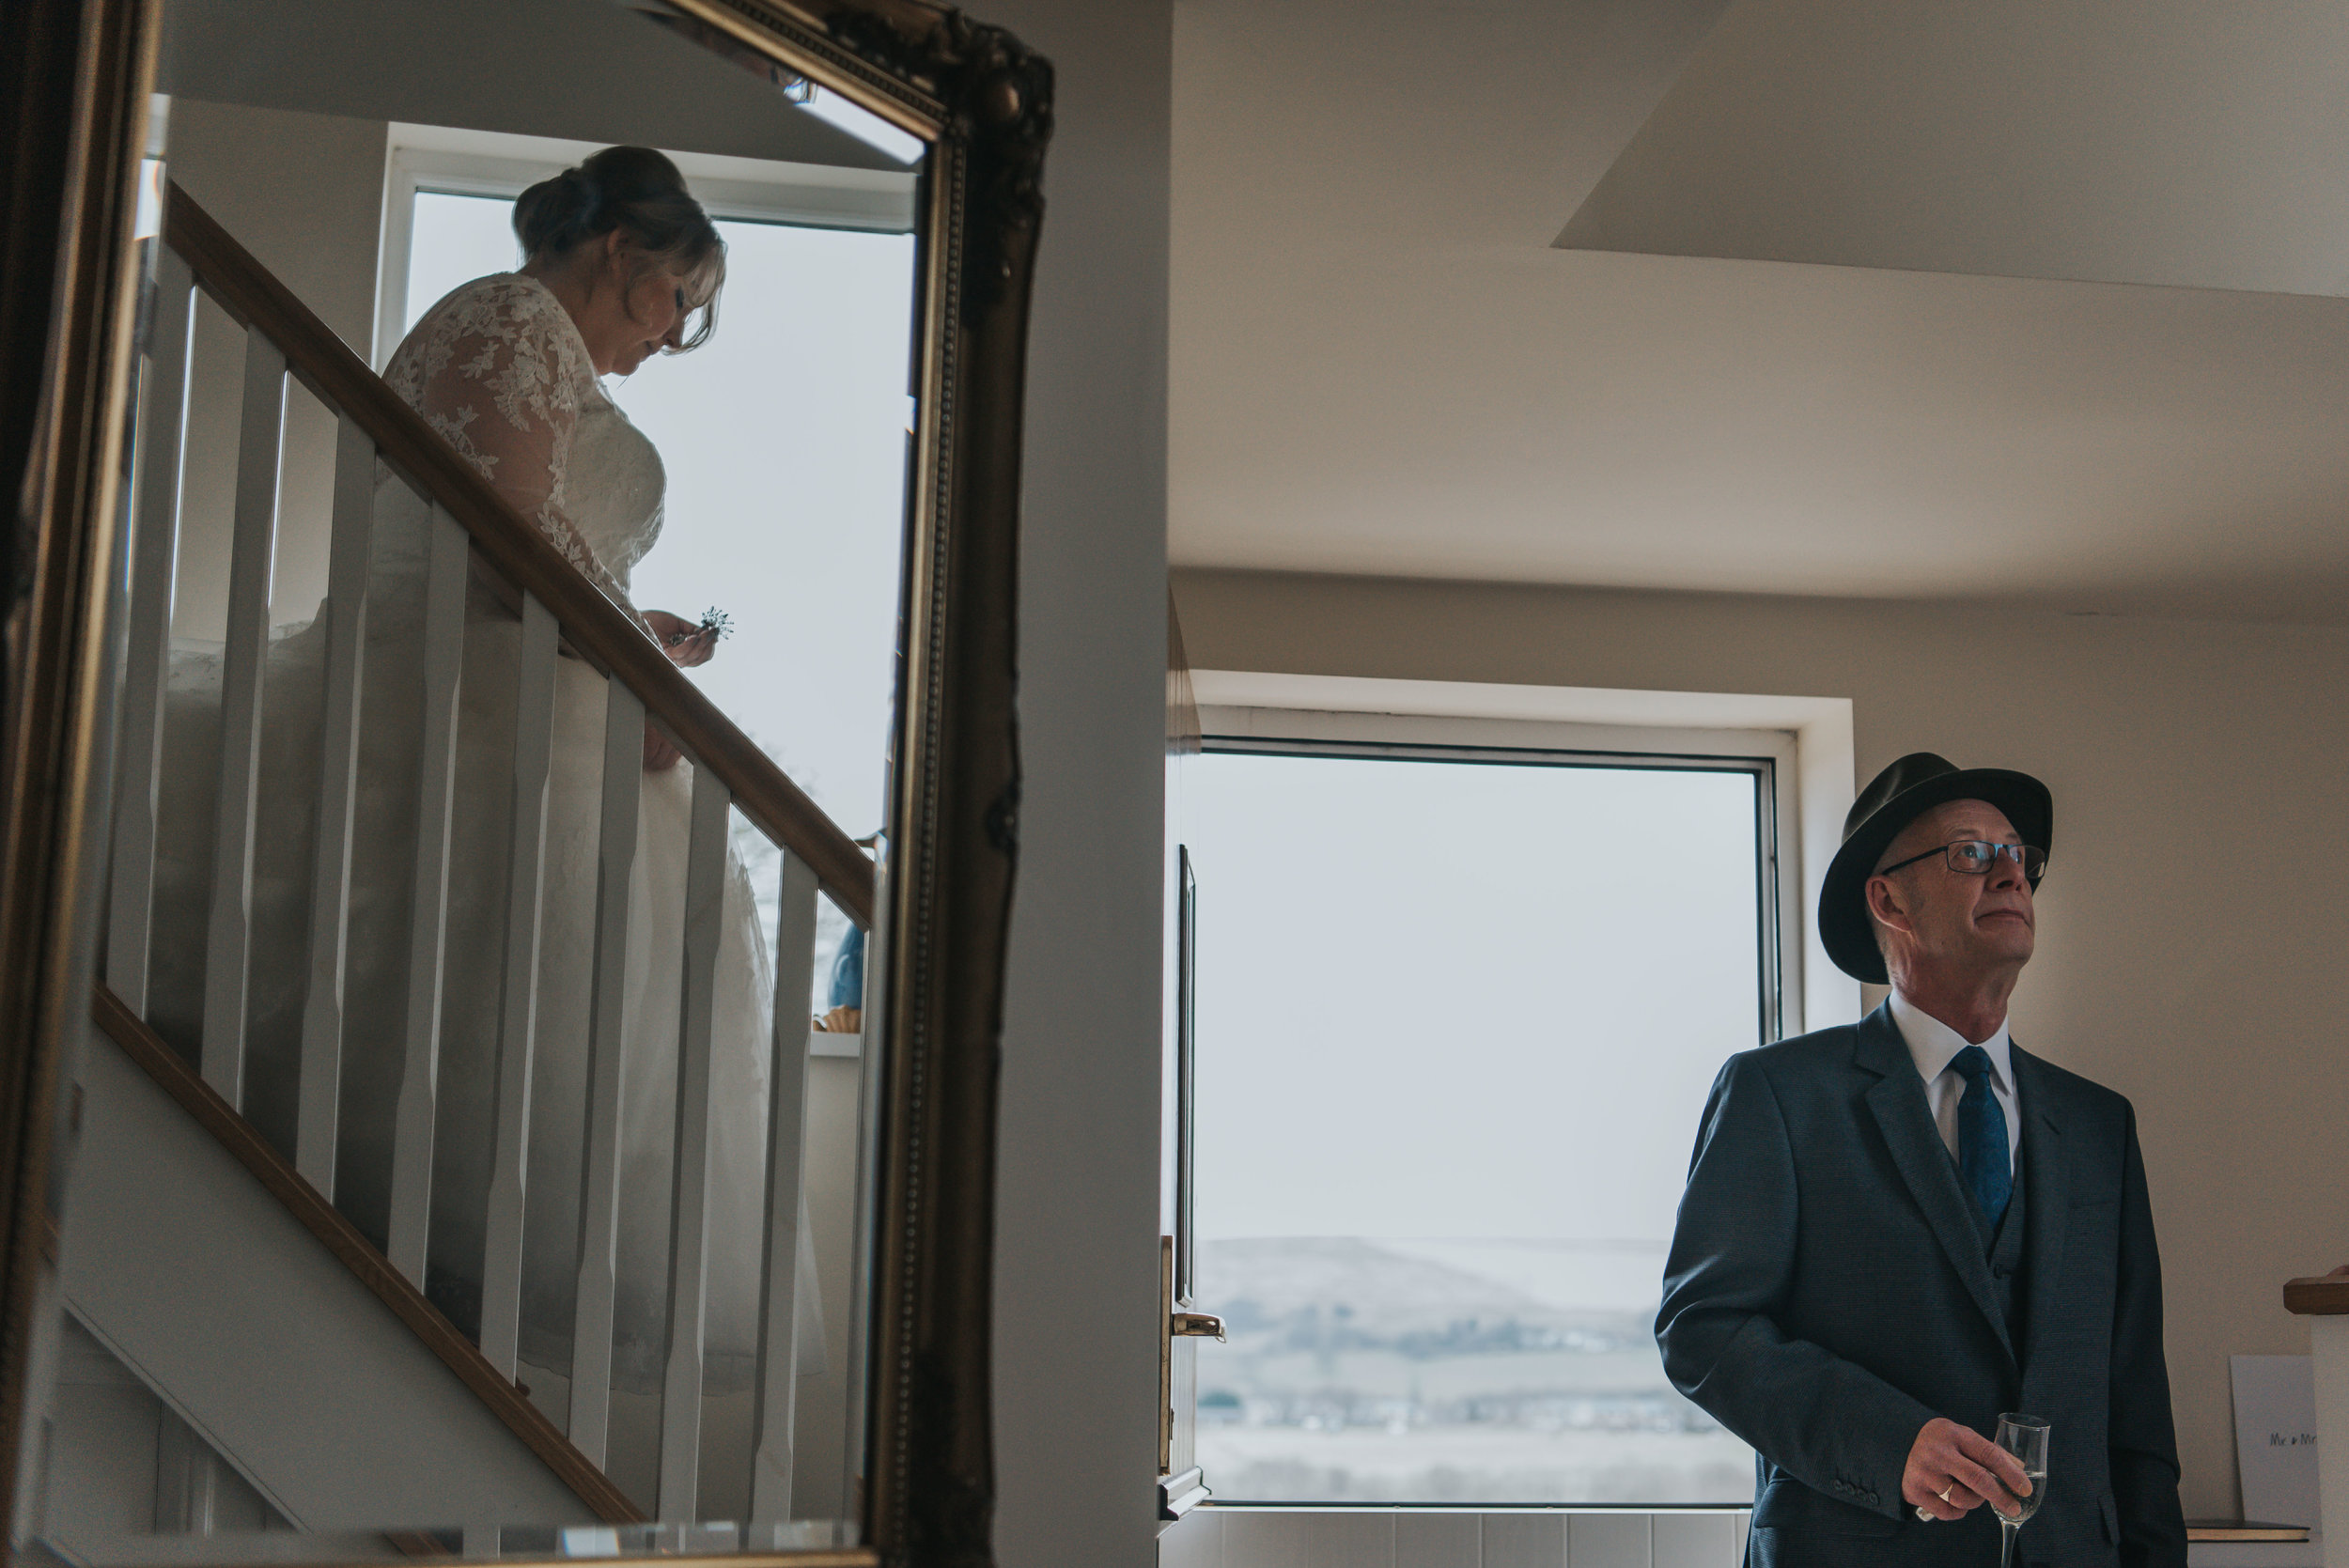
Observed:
{"x":1932,"y":1045}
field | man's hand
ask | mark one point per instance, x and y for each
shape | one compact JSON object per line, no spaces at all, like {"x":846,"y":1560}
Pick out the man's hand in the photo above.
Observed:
{"x":1954,"y":1469}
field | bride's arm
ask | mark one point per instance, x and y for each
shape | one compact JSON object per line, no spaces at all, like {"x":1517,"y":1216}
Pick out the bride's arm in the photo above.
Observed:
{"x":497,"y":383}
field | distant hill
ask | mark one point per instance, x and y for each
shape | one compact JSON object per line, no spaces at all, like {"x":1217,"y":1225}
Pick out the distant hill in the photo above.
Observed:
{"x":1284,"y":1274}
{"x":1373,"y":1291}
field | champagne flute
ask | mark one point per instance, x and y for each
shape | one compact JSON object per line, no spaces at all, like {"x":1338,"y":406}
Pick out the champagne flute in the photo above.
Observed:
{"x":2026,"y":1438}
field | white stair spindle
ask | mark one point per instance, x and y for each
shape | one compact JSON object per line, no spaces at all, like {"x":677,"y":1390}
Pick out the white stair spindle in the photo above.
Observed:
{"x":155,"y":550}
{"x":445,"y":572}
{"x":689,"y":1226}
{"x":318,"y":1118}
{"x":775,"y":1384}
{"x":599,"y":1177}
{"x":228,"y":951}
{"x":518,"y":999}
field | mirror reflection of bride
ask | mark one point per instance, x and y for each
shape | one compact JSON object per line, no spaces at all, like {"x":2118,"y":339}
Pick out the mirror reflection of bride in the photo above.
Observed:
{"x":621,"y":264}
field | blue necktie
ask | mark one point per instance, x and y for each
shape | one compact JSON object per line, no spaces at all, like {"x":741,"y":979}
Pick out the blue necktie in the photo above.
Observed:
{"x":1983,"y":1158}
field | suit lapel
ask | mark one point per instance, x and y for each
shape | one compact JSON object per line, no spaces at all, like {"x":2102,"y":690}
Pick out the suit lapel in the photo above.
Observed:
{"x":1898,"y":1101}
{"x":2050,"y":1193}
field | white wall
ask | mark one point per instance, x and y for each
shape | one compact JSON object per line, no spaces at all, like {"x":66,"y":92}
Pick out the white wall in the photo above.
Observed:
{"x":120,"y":1463}
{"x":2191,"y":926}
{"x":1076,"y":1263}
{"x":336,"y":1412}
{"x":304,"y":194}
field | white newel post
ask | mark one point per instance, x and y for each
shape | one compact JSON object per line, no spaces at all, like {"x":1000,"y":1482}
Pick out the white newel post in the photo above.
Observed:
{"x":2326,"y":1304}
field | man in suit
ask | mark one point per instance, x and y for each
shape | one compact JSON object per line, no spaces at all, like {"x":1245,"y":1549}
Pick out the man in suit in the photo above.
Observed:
{"x":1897,"y":1229}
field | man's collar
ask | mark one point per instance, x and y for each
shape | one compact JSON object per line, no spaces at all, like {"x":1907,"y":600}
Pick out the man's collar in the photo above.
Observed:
{"x":1932,"y":1045}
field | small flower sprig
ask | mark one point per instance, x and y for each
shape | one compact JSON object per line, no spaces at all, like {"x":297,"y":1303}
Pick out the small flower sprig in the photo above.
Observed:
{"x":717,"y":623}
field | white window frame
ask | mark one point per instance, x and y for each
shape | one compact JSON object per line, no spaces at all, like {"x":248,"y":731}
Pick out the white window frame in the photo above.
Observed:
{"x":440,"y":159}
{"x":1807,"y":741}
{"x":1806,"y":744}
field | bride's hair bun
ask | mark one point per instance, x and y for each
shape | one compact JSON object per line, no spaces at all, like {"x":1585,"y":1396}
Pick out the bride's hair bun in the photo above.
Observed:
{"x":640,"y":193}
{"x":557,"y":214}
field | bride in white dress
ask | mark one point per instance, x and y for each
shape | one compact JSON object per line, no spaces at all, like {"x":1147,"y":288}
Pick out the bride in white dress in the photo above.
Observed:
{"x":622,"y":264}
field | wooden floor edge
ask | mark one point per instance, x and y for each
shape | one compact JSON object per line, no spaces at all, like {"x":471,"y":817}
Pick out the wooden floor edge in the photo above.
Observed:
{"x":374,"y":1270}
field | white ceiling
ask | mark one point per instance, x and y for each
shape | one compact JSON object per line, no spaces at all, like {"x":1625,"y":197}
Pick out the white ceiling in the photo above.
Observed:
{"x":1380,"y":364}
{"x":583,"y":69}
{"x":2120,"y":141}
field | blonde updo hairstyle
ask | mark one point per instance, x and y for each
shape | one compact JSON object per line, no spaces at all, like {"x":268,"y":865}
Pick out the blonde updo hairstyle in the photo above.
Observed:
{"x":638,"y":192}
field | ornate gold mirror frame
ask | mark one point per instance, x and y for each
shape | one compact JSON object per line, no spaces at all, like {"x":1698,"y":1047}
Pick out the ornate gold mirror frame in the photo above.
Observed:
{"x":76,"y":76}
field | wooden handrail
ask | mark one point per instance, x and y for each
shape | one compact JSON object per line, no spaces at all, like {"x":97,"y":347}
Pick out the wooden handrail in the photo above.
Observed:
{"x":373,"y":1269}
{"x":2318,"y":1296}
{"x":594,"y":626}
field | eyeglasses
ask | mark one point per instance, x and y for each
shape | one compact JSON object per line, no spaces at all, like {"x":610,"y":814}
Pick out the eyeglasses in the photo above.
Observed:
{"x":1975,"y":856}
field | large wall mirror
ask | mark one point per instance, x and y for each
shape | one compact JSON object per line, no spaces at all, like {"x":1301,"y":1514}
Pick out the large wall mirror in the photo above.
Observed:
{"x":532,"y":784}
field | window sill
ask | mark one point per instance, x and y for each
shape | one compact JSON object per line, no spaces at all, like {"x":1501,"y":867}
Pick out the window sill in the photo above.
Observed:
{"x":1374,"y":1535}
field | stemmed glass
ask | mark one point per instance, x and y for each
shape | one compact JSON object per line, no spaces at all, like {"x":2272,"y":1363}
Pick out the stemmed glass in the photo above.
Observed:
{"x":2026,"y":1438}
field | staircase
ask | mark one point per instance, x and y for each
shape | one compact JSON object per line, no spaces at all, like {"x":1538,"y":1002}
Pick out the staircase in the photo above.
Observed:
{"x":299,"y":1358}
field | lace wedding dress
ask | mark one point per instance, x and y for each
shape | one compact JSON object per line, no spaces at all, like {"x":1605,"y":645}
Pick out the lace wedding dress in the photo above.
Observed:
{"x":499,"y":369}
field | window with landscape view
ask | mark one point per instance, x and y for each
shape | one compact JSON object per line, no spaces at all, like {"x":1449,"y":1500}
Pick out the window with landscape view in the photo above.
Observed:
{"x":1457,"y":1013}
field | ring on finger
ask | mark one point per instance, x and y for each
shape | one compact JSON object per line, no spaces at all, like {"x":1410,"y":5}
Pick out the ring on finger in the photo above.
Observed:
{"x":1927,"y":1514}
{"x":1944,"y":1492}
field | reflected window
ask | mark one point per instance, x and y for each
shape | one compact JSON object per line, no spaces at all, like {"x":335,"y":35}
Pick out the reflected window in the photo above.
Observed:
{"x":1457,"y":1015}
{"x":784,"y":439}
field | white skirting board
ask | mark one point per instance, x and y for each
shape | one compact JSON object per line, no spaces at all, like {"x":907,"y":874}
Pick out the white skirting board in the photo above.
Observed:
{"x":1211,"y":1537}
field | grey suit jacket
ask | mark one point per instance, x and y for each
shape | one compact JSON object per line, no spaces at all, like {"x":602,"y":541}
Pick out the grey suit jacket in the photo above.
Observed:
{"x":1828,"y":1293}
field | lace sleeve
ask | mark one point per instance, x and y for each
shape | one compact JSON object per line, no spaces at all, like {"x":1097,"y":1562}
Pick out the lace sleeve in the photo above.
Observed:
{"x":499,"y":371}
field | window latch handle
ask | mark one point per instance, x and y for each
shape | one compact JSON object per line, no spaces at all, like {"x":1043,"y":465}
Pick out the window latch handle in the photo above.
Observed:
{"x":1204,"y":1326}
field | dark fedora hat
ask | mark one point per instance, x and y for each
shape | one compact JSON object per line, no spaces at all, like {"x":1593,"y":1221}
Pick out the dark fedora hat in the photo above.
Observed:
{"x":1895,"y":798}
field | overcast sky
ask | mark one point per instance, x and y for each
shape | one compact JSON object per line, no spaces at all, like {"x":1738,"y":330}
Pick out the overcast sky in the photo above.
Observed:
{"x":1462,"y":1001}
